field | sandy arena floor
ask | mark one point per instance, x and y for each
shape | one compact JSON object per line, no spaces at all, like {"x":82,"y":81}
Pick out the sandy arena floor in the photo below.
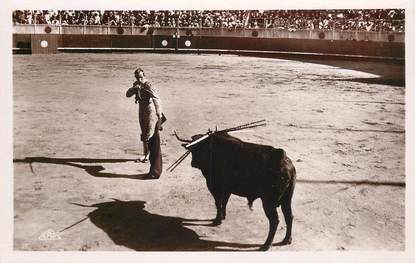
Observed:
{"x":76,"y":134}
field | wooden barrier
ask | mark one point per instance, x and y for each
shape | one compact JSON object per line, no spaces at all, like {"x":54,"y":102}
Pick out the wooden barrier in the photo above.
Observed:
{"x":370,"y":44}
{"x":44,"y":43}
{"x":86,"y":41}
{"x":318,"y":34}
{"x":123,"y":41}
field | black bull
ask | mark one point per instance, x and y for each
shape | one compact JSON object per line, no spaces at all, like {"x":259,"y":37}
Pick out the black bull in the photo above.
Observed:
{"x":232,"y":166}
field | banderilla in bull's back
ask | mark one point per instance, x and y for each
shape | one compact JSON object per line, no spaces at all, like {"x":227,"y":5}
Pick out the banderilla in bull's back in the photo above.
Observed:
{"x":232,"y":166}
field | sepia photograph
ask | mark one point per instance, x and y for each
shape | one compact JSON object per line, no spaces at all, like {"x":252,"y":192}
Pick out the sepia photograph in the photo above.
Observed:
{"x":219,"y":128}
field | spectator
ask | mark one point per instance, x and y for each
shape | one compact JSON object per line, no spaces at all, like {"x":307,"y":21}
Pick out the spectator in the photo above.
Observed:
{"x":345,"y":19}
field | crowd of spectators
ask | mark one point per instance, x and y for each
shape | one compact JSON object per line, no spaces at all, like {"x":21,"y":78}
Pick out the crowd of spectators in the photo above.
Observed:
{"x":217,"y":19}
{"x":345,"y":19}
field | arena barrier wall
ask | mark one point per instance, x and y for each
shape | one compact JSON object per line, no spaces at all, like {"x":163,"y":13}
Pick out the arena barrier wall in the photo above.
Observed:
{"x":22,"y":41}
{"x":44,"y":44}
{"x":343,"y":47}
{"x":86,"y":41}
{"x":104,"y":38}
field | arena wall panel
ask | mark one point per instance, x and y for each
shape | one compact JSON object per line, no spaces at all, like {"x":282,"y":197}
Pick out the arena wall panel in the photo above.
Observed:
{"x":140,"y":31}
{"x":44,"y":43}
{"x":125,"y":31}
{"x":166,"y":31}
{"x":298,"y":34}
{"x":22,"y":41}
{"x":222,"y":32}
{"x":165,"y":42}
{"x":189,"y":42}
{"x":23,"y":29}
{"x":356,"y":43}
{"x":47,"y":29}
{"x":76,"y":30}
{"x":86,"y":41}
{"x":122,"y":41}
{"x":96,"y":30}
{"x":116,"y":30}
{"x":346,"y":47}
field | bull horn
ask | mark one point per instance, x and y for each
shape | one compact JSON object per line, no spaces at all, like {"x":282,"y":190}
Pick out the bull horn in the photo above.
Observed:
{"x":180,"y":139}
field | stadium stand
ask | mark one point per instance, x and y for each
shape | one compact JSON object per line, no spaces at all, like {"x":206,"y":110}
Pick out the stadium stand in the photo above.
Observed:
{"x":389,"y":20}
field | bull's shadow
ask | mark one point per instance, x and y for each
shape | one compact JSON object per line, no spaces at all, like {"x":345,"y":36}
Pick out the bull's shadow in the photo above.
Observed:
{"x":88,"y":164}
{"x":128,"y":224}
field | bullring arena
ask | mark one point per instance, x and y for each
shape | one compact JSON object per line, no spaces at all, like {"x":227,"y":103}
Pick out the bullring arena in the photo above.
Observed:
{"x":340,"y":119}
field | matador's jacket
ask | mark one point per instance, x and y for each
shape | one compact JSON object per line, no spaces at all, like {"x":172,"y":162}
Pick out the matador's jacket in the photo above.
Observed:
{"x":149,"y":107}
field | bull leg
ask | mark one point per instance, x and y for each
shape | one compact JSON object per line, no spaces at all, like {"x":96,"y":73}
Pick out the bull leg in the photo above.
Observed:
{"x":224,"y":203}
{"x":218,"y":203}
{"x":272,"y":215}
{"x":288,"y":216}
{"x":218,"y":219}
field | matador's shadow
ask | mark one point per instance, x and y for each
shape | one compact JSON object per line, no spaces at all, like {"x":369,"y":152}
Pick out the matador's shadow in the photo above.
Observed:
{"x":88,"y":164}
{"x":129,"y":224}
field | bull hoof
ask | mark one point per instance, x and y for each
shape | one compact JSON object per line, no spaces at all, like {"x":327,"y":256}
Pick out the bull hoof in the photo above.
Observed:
{"x":264,"y":248}
{"x":216,"y":222}
{"x":150,"y":176}
{"x":286,"y":241}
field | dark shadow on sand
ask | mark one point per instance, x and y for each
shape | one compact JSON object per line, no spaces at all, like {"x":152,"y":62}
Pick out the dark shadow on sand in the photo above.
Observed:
{"x":353,"y":182}
{"x":343,"y":129}
{"x":94,"y":170}
{"x":380,"y":81}
{"x":128,"y":224}
{"x":389,"y":72}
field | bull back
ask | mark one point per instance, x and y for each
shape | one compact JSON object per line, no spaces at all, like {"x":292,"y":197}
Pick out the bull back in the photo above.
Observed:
{"x":245,"y":169}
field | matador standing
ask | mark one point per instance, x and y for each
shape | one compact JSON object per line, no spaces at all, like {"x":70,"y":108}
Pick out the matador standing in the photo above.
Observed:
{"x":149,"y":116}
